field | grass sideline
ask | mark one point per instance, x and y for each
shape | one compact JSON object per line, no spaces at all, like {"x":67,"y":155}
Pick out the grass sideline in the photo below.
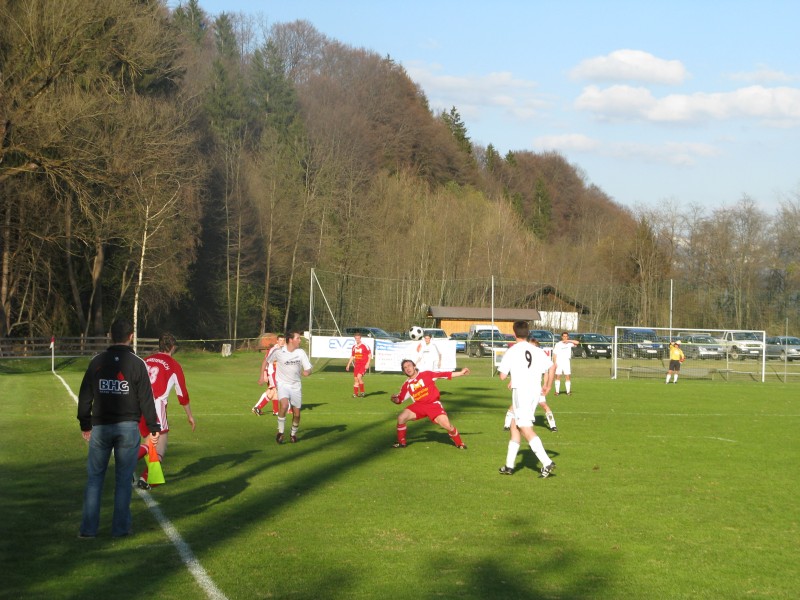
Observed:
{"x":685,"y":491}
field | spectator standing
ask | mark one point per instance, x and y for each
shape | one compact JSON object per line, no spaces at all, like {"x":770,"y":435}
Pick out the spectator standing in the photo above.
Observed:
{"x":114,"y":394}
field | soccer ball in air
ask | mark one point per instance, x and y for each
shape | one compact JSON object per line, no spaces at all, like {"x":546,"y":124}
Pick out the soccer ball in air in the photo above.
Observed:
{"x":416,"y":333}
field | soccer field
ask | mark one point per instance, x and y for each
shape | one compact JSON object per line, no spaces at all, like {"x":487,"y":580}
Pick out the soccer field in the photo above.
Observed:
{"x":661,"y":491}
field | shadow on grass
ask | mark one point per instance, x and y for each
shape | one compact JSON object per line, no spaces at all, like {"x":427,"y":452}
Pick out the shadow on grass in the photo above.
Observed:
{"x":41,"y":505}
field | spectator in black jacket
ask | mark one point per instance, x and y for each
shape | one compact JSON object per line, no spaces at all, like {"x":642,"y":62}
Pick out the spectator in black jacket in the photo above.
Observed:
{"x":114,"y":394}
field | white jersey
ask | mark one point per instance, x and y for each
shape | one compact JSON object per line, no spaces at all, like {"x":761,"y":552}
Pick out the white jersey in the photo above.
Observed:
{"x":429,"y":357}
{"x":289,"y":366}
{"x":562,"y":352}
{"x":526,"y":364}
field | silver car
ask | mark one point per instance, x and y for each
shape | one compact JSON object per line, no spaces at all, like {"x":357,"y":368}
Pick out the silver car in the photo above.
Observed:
{"x":784,"y":347}
{"x":701,"y":346}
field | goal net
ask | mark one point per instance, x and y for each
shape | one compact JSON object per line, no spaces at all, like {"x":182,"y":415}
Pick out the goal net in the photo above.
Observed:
{"x":715,"y":354}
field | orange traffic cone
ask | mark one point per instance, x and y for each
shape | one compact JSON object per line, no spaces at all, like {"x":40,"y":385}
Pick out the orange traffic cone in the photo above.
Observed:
{"x":155,"y":475}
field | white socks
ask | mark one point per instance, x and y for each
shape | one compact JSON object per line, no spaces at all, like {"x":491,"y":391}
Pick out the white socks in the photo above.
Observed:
{"x":511,"y":455}
{"x":538,"y":450}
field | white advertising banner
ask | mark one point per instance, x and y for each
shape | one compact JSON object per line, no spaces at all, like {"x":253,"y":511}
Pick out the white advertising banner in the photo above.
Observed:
{"x":324,"y":346}
{"x":386,"y":355}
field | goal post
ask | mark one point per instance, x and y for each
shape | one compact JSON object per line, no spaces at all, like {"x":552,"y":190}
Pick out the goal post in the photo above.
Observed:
{"x":715,"y":354}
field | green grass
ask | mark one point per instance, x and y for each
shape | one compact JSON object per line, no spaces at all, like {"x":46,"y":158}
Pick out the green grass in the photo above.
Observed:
{"x":686,"y":491}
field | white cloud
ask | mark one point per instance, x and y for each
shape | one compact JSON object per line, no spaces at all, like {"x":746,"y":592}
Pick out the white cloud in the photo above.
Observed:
{"x":672,"y":153}
{"x":774,"y":106}
{"x":631,"y":65}
{"x":473,"y":94}
{"x":569,"y":141}
{"x":762,"y":75}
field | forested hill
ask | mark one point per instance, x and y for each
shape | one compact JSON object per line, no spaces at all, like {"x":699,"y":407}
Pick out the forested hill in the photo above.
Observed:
{"x":192,"y":171}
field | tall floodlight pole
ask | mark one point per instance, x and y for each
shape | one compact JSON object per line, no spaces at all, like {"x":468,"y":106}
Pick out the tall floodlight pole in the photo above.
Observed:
{"x":670,"y":309}
{"x":311,"y":306}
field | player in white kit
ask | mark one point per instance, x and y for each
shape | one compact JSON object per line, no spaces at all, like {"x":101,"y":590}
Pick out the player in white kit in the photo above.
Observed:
{"x":291,"y":364}
{"x":526,"y":364}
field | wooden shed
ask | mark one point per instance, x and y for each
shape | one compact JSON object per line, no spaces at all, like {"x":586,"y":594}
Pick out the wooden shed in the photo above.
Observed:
{"x":459,"y":318}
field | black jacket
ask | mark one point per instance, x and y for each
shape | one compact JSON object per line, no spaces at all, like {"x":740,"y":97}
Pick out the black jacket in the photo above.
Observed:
{"x":116,"y":388}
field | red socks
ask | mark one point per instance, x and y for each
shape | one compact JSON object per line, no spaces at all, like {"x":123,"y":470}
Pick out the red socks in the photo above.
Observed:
{"x":401,"y":434}
{"x":456,"y":437}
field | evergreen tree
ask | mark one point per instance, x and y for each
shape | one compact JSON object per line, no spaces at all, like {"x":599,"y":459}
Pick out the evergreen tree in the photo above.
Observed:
{"x":458,"y":129}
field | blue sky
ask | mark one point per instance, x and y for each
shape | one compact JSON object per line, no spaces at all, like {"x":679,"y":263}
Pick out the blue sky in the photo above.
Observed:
{"x":690,"y":103}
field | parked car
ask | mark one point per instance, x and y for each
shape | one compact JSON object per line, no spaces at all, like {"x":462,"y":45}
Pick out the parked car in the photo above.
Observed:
{"x":480,"y":343}
{"x":544,"y":337}
{"x":436,"y":333}
{"x":640,"y":343}
{"x":702,"y":346}
{"x":742,"y":344}
{"x":483,"y":327}
{"x":373,"y":332}
{"x":591,"y":345}
{"x":460,"y":339}
{"x":787,"y":348}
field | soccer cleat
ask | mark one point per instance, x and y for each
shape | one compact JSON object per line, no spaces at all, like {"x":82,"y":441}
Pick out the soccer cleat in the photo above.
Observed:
{"x":462,"y":447}
{"x":293,"y":439}
{"x":275,"y":413}
{"x":569,"y":393}
{"x":546,"y":471}
{"x":279,"y":437}
{"x":361,"y":395}
{"x":398,"y":445}
{"x":554,"y":429}
{"x":355,"y":395}
{"x":557,"y":393}
{"x":257,"y":411}
{"x":142,"y":484}
{"x":506,"y":428}
{"x":86,"y":536}
{"x":504,"y":470}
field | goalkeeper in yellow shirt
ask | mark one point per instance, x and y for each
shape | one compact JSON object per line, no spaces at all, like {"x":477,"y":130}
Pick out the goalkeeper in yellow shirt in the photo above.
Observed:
{"x":676,"y":357}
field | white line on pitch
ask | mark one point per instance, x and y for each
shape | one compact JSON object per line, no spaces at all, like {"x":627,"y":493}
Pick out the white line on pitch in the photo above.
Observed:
{"x":694,"y":437}
{"x":185,"y":552}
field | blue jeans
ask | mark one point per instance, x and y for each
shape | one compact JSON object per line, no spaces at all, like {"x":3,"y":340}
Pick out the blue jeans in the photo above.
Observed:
{"x":123,"y":438}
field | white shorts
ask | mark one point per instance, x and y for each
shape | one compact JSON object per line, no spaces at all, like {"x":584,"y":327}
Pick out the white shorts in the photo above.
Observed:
{"x":292,"y":393}
{"x":161,"y":414}
{"x":524,"y":406}
{"x":563,"y":369}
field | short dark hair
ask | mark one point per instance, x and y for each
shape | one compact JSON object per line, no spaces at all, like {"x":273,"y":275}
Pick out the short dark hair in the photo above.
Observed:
{"x":521,"y":329}
{"x":403,"y":363}
{"x":121,"y":330}
{"x":166,"y":342}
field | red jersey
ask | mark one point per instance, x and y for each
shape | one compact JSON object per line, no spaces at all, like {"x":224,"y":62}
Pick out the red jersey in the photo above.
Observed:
{"x":422,"y":387}
{"x":360,"y":354}
{"x":165,"y":374}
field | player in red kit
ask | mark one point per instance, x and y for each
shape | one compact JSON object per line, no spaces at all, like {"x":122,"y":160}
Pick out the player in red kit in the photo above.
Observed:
{"x":268,"y":377}
{"x":421,"y":388}
{"x":165,"y":375}
{"x":359,"y":358}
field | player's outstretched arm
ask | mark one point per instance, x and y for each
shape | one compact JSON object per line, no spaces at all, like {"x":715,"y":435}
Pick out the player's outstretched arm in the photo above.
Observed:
{"x":464,"y":371}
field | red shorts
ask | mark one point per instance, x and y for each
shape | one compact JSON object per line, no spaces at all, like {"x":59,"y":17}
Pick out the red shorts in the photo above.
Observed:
{"x":359,"y":369}
{"x":427,"y":409}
